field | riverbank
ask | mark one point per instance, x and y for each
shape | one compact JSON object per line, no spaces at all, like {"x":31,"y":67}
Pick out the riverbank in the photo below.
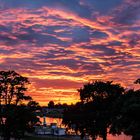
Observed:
{"x":52,"y":138}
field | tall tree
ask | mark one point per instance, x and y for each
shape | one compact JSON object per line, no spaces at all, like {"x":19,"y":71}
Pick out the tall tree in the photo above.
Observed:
{"x":102,"y":94}
{"x":12,"y":88}
{"x":127,"y":118}
{"x":97,"y":99}
{"x":13,"y":114}
{"x":51,"y":104}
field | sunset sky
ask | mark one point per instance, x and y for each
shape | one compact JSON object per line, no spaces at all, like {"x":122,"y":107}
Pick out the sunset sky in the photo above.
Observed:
{"x":62,"y":44}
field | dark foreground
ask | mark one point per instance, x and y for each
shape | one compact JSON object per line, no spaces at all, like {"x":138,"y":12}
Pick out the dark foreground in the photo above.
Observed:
{"x":52,"y":138}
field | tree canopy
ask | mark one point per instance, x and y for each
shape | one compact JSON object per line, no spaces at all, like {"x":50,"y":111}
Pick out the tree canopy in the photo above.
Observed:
{"x":12,"y":88}
{"x":105,"y":107}
{"x":15,"y":117}
{"x":95,"y":112}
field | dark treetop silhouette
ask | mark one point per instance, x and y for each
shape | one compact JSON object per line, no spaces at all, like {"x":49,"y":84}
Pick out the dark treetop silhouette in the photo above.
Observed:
{"x":15,"y":117}
{"x":127,"y":109}
{"x":105,"y":108}
{"x":94,"y":113}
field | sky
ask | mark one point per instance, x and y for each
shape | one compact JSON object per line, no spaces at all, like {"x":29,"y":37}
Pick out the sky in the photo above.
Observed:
{"x":62,"y":44}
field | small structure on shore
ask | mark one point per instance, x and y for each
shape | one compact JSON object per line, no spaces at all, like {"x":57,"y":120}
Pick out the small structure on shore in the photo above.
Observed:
{"x":51,"y":129}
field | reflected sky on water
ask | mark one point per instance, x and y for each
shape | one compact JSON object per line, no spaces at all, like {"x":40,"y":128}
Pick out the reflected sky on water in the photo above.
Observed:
{"x":59,"y":123}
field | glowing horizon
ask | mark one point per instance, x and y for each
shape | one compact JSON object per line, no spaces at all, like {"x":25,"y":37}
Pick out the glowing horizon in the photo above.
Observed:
{"x":60,"y":45}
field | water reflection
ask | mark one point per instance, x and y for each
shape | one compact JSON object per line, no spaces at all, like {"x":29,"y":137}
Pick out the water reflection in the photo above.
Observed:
{"x":121,"y":137}
{"x":49,"y":120}
{"x":58,"y":121}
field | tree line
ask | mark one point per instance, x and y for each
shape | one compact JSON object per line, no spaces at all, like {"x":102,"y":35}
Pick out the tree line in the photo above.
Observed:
{"x":105,"y":107}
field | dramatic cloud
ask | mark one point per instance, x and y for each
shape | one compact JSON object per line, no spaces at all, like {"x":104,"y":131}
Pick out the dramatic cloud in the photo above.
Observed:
{"x":60,"y":45}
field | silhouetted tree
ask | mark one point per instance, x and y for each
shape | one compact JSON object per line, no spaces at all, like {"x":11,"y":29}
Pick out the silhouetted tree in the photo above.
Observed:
{"x":137,"y":81}
{"x":51,"y":104}
{"x":12,"y":88}
{"x":33,"y":105}
{"x":14,"y":117}
{"x":96,"y":111}
{"x":61,"y":106}
{"x":127,"y":118}
{"x":75,"y":117}
{"x":103,"y":95}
